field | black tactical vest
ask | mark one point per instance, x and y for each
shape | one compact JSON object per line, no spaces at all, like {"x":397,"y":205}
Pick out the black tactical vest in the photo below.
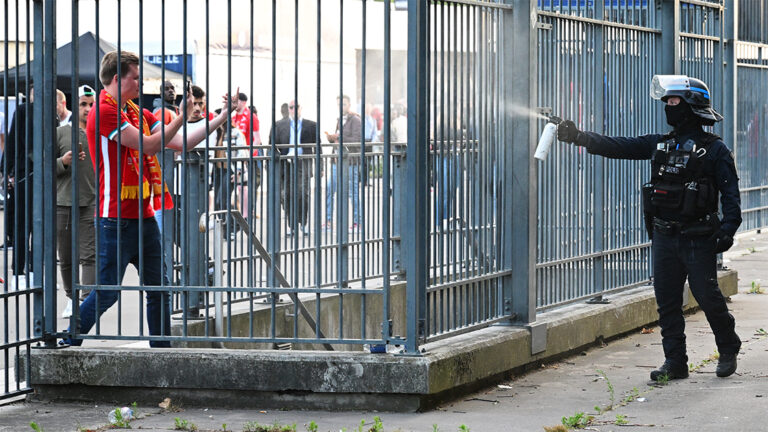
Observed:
{"x":682,"y":179}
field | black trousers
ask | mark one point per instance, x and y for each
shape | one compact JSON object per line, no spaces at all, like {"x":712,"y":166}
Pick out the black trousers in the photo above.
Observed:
{"x":675,"y":258}
{"x":298,"y":203}
{"x":17,"y":224}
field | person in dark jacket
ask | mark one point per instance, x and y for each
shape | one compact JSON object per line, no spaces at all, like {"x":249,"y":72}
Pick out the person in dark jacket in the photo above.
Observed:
{"x":18,"y":152}
{"x":690,"y":170}
{"x":295,"y":165}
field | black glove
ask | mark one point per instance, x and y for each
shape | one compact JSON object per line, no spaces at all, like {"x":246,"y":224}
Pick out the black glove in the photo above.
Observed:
{"x":567,"y":131}
{"x":722,"y":241}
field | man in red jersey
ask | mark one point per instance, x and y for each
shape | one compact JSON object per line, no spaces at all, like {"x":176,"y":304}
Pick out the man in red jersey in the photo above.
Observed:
{"x":136,"y":193}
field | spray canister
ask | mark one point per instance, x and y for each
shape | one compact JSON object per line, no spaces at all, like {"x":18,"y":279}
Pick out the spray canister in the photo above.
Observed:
{"x":548,"y":136}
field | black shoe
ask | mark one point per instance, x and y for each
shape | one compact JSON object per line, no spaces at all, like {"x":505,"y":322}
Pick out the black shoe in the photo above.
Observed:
{"x":671,"y":370}
{"x":726,"y":366}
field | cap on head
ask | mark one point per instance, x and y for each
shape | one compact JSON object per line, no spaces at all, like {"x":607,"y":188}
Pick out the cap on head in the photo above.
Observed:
{"x":85,"y":90}
{"x":692,"y":90}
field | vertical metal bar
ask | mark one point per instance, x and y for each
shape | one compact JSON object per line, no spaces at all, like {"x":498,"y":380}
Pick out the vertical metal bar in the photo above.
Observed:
{"x":318,"y":169}
{"x":599,"y":186}
{"x":141,"y":168}
{"x":96,"y":161}
{"x":387,"y":330}
{"x":74,"y":249}
{"x":273,"y":209}
{"x":416,"y":232}
{"x":520,"y":203}
{"x":294,"y":213}
{"x":730,"y":73}
{"x":342,"y":167}
{"x":252,"y":150}
{"x":218,"y":252}
{"x":47,"y":166}
{"x":670,"y":20}
{"x":362,"y":176}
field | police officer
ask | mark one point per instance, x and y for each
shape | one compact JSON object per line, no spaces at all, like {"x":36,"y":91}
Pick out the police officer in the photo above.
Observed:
{"x":690,"y":168}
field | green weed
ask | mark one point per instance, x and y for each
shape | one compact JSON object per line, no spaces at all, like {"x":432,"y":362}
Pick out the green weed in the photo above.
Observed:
{"x":378,"y":426}
{"x":756,"y":289}
{"x":463,"y":428}
{"x":611,"y":391}
{"x":312,"y":426}
{"x":577,"y":421}
{"x":633,"y":394}
{"x":35,"y":427}
{"x":183,"y":425}
{"x":275,"y":427}
{"x":120,"y":422}
{"x":621,"y":419}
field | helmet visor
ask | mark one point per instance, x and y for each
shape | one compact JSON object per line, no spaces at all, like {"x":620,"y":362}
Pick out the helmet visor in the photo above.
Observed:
{"x":662,"y":84}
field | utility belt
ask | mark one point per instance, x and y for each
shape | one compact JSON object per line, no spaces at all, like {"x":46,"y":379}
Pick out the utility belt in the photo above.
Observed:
{"x":704,"y":226}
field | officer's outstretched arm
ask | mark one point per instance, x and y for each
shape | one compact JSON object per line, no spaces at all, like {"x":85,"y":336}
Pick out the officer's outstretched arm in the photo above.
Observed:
{"x":637,"y":148}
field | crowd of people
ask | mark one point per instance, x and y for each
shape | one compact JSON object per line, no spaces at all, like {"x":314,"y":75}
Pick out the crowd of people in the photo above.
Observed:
{"x":126,"y":140}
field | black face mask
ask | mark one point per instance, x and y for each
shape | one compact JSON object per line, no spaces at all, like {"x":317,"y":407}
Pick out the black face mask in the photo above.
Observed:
{"x":678,"y":115}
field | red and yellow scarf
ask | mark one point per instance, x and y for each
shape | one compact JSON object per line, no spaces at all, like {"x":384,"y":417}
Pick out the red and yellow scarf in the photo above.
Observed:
{"x":152,"y":175}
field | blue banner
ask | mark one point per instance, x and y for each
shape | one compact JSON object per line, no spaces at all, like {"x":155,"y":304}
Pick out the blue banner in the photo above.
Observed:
{"x":173,"y":62}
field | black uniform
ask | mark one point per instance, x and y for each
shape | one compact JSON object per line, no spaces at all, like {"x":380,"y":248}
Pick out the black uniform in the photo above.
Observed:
{"x":683,"y":244}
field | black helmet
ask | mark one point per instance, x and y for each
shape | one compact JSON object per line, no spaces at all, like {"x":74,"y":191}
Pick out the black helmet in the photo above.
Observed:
{"x":692,"y":90}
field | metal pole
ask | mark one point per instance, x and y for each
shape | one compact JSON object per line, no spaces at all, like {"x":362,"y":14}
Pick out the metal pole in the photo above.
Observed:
{"x":521,"y":190}
{"x":417,"y":170}
{"x":670,"y":37}
{"x":730,"y":73}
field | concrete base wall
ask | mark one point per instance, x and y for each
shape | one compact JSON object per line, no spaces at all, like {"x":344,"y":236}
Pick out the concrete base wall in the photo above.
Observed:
{"x":338,"y":380}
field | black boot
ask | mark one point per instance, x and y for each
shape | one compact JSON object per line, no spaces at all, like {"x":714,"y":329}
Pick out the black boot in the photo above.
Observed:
{"x":671,"y":370}
{"x":726,"y":366}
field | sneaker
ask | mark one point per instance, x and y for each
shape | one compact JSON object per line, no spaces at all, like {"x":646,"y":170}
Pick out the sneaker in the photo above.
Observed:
{"x":671,"y":370}
{"x":305,"y":230}
{"x":288,"y":232}
{"x":726,"y":365}
{"x":67,"y":310}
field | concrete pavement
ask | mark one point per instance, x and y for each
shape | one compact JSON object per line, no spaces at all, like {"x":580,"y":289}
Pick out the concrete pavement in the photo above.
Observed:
{"x":541,"y":397}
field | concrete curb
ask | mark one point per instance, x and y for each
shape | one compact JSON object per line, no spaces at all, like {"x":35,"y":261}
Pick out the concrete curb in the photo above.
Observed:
{"x":336,"y":380}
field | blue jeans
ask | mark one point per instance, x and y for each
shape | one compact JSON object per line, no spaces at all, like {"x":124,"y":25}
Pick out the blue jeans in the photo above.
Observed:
{"x":354,"y":192}
{"x":111,"y":273}
{"x":448,"y":173}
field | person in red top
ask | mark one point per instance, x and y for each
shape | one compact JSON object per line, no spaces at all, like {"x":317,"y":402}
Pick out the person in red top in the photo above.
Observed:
{"x":248,"y":122}
{"x":130,"y":187}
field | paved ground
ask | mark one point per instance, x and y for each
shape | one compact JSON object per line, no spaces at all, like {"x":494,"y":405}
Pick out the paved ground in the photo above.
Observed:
{"x":539,"y":398}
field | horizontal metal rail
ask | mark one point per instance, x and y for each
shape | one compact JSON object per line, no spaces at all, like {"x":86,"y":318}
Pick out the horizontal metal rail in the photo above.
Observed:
{"x":700,"y":37}
{"x":591,"y":256}
{"x":599,"y":22}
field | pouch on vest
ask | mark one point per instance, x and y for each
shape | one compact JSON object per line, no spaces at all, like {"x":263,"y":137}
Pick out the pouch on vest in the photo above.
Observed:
{"x":667,"y":195}
{"x":648,"y":209}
